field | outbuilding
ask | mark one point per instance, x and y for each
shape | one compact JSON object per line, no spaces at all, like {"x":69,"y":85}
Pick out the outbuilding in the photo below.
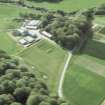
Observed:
{"x":33,"y":23}
{"x":22,"y":41}
{"x":22,"y":30}
{"x":29,"y":39}
{"x":46,"y":34}
{"x":32,"y":33}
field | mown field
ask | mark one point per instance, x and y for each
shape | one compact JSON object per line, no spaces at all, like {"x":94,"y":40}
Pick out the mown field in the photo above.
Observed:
{"x":48,"y":60}
{"x":69,"y":5}
{"x":85,"y":78}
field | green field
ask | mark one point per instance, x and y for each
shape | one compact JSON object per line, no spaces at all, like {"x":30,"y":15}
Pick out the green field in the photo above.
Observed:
{"x":48,"y":59}
{"x":99,"y":20}
{"x":7,"y":13}
{"x":69,"y":5}
{"x":8,"y":44}
{"x":85,"y":78}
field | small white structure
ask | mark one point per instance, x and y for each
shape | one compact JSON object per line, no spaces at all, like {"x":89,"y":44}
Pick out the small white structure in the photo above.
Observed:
{"x":32,"y":33}
{"x":23,"y":41}
{"x":22,"y":30}
{"x":29,"y":32}
{"x":31,"y":27}
{"x":33,"y":23}
{"x":46,"y":34}
{"x":29,"y":39}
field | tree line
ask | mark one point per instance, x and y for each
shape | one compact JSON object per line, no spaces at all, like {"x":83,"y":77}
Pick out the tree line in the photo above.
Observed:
{"x":68,"y":31}
{"x":20,"y":86}
{"x":23,"y":1}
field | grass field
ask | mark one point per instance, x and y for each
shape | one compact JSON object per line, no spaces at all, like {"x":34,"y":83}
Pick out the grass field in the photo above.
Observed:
{"x":7,"y":13}
{"x":8,"y":45}
{"x":100,"y":20}
{"x":48,"y":60}
{"x":85,"y":78}
{"x":70,"y":5}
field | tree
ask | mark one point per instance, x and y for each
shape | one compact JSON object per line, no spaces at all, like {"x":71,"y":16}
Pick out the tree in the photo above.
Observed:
{"x":33,"y":100}
{"x":44,"y":103}
{"x":15,"y":103}
{"x":6,"y":99}
{"x":19,"y":86}
{"x":21,"y":94}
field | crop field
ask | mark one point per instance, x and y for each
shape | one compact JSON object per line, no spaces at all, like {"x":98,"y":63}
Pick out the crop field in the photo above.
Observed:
{"x":70,"y":4}
{"x":85,"y":78}
{"x":48,"y":59}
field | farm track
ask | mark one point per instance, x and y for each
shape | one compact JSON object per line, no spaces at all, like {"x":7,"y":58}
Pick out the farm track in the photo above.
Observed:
{"x":60,"y":91}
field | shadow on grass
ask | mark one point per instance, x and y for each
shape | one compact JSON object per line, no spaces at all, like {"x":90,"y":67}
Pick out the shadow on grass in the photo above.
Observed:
{"x":94,"y":48}
{"x":48,"y":1}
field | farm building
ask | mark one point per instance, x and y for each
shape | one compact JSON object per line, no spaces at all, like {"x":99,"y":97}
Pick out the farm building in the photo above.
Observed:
{"x":32,"y":33}
{"x":46,"y":34}
{"x":22,"y":41}
{"x":29,"y":39}
{"x":22,"y":31}
{"x":31,"y":27}
{"x":33,"y":23}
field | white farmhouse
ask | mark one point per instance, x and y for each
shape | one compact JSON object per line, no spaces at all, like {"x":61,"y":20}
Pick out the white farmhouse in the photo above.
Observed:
{"x":46,"y":34}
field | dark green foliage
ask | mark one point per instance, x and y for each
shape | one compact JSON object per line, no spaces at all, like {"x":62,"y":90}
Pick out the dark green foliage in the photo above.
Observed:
{"x":6,"y":99}
{"x":21,"y":94}
{"x":18,"y":86}
{"x":47,"y":0}
{"x":68,"y":31}
{"x":100,"y":10}
{"x":16,"y":103}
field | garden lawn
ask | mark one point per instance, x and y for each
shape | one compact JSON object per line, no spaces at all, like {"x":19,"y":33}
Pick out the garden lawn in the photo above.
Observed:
{"x":48,"y":60}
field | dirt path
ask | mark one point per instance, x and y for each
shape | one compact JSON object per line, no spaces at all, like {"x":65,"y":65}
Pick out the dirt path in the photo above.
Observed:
{"x":103,"y":103}
{"x":60,"y":92}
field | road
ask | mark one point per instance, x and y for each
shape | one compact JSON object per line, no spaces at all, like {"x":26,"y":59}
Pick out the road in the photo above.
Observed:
{"x":44,"y":37}
{"x":60,"y":91}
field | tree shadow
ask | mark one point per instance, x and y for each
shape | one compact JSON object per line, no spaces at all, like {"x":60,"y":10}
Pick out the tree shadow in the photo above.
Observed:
{"x":48,"y":1}
{"x":94,"y":48}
